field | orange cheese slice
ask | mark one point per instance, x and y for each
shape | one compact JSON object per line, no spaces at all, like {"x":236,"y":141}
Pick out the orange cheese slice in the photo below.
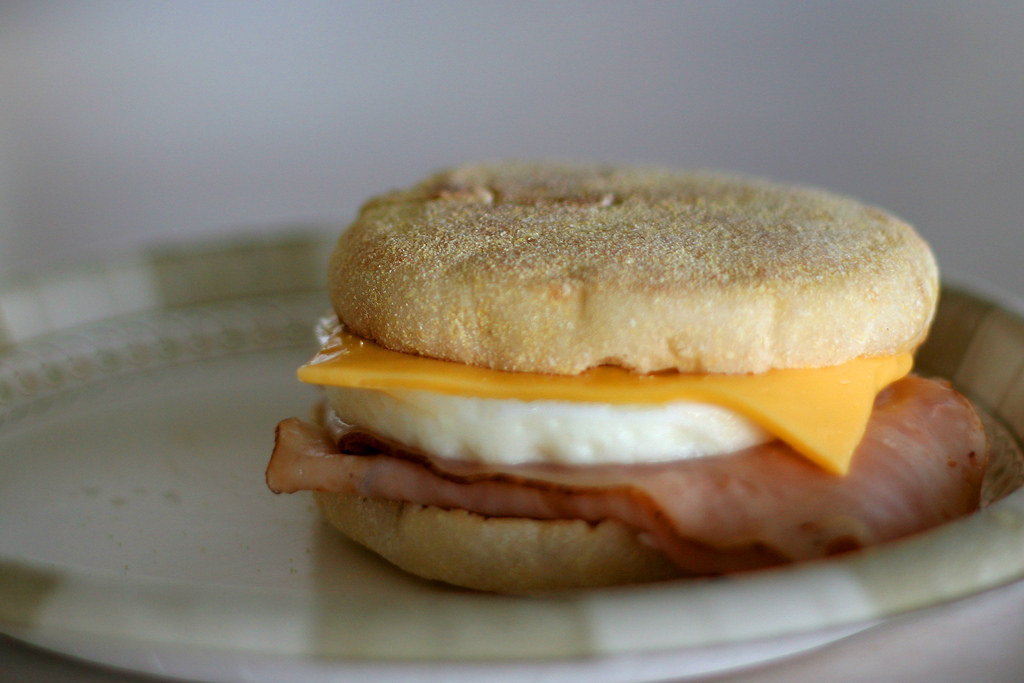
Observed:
{"x":820,"y":412}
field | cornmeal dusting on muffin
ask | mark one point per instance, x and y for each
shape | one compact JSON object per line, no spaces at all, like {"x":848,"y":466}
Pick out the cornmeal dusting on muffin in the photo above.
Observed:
{"x":560,"y":267}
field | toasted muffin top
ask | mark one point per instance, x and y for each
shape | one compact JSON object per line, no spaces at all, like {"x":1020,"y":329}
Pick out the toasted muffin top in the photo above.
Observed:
{"x":556,"y":268}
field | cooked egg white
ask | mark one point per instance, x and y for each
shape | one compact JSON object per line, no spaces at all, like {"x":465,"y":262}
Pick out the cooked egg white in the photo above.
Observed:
{"x":509,"y":431}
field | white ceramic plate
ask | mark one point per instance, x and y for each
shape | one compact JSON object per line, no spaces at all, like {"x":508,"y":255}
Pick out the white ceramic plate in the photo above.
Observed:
{"x":137,"y":405}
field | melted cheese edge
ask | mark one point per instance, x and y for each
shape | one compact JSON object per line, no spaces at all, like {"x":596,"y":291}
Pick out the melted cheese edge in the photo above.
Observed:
{"x":820,"y":412}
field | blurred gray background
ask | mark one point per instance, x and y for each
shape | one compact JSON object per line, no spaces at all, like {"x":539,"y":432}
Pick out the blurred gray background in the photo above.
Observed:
{"x":132,"y":123}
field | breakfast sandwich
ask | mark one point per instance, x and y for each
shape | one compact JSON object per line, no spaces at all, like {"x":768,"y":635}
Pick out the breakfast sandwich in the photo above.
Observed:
{"x":540,"y":376}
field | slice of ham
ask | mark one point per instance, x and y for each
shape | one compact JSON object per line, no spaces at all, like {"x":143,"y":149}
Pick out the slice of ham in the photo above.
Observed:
{"x":920,"y":464}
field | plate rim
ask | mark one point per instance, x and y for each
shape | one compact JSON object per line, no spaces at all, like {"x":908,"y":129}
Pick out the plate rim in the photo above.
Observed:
{"x":849,"y":573}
